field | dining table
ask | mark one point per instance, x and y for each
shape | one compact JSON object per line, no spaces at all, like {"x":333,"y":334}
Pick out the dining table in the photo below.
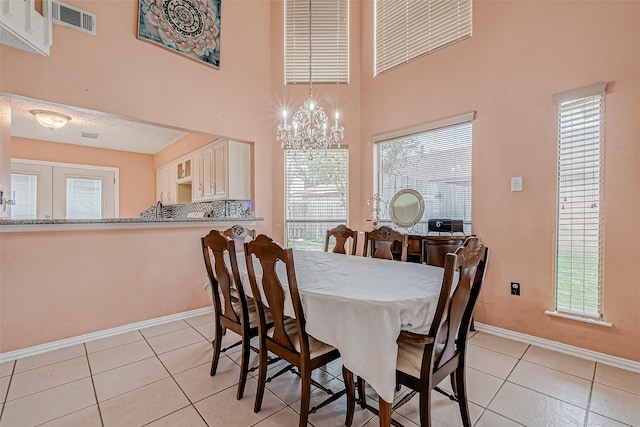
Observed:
{"x":359,"y":305}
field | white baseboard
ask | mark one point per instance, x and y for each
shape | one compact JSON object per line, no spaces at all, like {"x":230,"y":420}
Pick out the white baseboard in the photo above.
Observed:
{"x":43,"y":348}
{"x":618,"y":362}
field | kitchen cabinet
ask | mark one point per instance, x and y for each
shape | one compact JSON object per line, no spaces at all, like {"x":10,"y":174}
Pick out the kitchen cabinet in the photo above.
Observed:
{"x":202,"y":186}
{"x":166,"y":184}
{"x":218,"y":171}
{"x":232,"y":170}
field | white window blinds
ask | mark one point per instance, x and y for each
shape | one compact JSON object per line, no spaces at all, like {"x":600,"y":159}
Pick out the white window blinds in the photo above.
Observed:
{"x":330,"y":41}
{"x":437,"y":164}
{"x":578,"y":246}
{"x":25,"y":189}
{"x":84,"y":198}
{"x":315,"y":195}
{"x":408,"y":29}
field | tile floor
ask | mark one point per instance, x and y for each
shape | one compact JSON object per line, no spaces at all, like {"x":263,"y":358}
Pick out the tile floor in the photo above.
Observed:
{"x":159,"y":376}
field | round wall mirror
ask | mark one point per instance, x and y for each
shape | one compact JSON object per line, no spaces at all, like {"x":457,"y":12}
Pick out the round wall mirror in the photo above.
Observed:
{"x":406,"y":208}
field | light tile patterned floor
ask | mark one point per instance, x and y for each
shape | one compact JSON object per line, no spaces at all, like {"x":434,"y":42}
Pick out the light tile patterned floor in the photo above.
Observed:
{"x":160,"y":377}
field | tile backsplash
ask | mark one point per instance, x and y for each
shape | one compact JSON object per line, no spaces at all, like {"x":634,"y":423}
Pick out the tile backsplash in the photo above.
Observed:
{"x":216,"y":209}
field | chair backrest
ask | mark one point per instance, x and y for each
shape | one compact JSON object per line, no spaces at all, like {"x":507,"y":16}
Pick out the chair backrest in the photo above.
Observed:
{"x":269,"y":253}
{"x":379,"y":241}
{"x":239,"y":235}
{"x":222,"y":281}
{"x":454,"y":311}
{"x":341,"y":234}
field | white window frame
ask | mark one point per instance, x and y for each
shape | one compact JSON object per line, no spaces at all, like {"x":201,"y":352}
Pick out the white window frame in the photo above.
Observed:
{"x":46,"y":204}
{"x":330,"y":41}
{"x":404,"y":133}
{"x":405,"y":30}
{"x":593,"y":97}
{"x":334,"y":221}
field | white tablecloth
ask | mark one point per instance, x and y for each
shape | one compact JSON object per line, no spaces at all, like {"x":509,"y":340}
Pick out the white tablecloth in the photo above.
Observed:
{"x":359,"y":305}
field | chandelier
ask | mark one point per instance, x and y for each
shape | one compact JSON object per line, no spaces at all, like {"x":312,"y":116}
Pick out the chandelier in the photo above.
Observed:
{"x":309,"y":126}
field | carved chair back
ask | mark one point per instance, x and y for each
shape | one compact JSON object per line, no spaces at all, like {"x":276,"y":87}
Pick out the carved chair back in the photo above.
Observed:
{"x":341,"y":234}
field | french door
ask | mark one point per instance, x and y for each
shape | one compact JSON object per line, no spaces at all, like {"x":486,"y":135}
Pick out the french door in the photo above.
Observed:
{"x":55,"y":190}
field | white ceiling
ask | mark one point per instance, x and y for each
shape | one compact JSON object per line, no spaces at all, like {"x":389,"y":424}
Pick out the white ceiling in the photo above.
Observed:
{"x":113,"y":133}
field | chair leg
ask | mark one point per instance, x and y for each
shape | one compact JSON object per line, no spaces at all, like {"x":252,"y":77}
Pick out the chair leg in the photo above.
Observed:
{"x":461,"y":388}
{"x":217,"y":345}
{"x":306,"y":397}
{"x":350,"y":386}
{"x":425,"y":409}
{"x":262,"y":377}
{"x":244,"y":366}
{"x":454,"y":385}
{"x":361,"y":393}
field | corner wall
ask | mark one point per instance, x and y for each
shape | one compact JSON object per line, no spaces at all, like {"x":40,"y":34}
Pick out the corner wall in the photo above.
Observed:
{"x":521,"y":53}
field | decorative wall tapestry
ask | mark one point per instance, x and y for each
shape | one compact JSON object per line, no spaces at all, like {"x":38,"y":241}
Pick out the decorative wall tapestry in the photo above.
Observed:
{"x":189,"y":27}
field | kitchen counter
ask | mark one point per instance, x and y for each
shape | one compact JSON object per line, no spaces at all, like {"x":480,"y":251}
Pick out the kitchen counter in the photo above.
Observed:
{"x":29,"y":225}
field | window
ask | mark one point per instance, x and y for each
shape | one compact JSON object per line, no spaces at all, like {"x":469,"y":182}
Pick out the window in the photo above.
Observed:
{"x":408,"y":29}
{"x":84,"y":198}
{"x":578,"y":227}
{"x":25,"y":189}
{"x":60,"y":190}
{"x":330,"y":41}
{"x":435,"y":162}
{"x":315,"y":195}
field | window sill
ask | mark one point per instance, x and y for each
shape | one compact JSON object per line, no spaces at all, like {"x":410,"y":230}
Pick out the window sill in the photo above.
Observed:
{"x":578,"y":318}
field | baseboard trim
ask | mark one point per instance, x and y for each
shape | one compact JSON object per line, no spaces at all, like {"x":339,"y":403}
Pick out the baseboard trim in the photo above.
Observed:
{"x":618,"y":362}
{"x":67,"y":342}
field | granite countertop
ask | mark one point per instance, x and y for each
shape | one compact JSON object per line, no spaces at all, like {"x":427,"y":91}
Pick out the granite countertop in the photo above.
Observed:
{"x":121,"y":220}
{"x":29,"y":225}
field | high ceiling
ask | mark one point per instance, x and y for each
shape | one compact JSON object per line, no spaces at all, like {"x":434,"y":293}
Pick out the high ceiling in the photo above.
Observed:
{"x":112,"y":132}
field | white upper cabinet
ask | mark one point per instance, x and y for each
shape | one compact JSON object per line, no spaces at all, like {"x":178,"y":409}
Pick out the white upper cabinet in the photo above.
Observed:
{"x":218,"y":171}
{"x":232,"y":166}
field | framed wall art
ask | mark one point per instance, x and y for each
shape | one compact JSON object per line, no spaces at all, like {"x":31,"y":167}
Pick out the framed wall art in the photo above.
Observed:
{"x":188,"y":27}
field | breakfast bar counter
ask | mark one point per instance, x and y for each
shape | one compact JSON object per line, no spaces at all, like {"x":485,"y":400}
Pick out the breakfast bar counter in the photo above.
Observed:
{"x":20,"y":226}
{"x":76,"y":277}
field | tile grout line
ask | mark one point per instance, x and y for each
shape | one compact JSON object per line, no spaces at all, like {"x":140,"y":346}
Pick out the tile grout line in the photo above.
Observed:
{"x":6,"y":396}
{"x":93,"y":385}
{"x":176,"y":381}
{"x":486,"y":408}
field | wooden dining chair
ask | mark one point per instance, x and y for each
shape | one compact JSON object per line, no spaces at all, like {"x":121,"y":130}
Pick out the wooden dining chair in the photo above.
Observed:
{"x":341,"y":234}
{"x":239,"y":235}
{"x":424,"y":360}
{"x":379,"y":242}
{"x":287,"y":338}
{"x":232,"y":310}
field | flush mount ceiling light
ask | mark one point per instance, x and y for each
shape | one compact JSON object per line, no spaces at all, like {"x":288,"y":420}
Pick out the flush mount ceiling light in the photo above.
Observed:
{"x":50,"y":119}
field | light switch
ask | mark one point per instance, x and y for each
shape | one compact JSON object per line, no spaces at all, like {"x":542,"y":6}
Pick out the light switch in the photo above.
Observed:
{"x":516,"y":183}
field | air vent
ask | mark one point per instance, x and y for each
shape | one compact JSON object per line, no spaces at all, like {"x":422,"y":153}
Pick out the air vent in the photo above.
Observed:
{"x":89,"y":135}
{"x":71,"y":16}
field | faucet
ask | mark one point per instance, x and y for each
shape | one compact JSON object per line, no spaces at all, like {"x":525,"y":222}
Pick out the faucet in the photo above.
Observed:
{"x":159,"y":209}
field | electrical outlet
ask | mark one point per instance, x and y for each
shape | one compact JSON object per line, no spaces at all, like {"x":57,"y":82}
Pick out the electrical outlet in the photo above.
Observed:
{"x":515,"y":288}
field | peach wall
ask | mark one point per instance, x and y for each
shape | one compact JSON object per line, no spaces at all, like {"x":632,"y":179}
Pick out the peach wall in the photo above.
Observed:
{"x":58,"y":285}
{"x":184,"y":145}
{"x":115,"y":73}
{"x":137,"y":173}
{"x":521,"y":53}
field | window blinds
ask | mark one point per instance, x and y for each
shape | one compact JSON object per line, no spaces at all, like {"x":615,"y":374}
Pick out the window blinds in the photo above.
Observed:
{"x":578,"y":256}
{"x":330,"y":41}
{"x":437,"y":164}
{"x":84,"y":198}
{"x":25,"y":188}
{"x":315,"y":195}
{"x":408,"y":29}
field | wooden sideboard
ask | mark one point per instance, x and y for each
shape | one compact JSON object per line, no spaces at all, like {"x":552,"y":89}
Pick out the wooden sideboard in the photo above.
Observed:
{"x":431,"y":249}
